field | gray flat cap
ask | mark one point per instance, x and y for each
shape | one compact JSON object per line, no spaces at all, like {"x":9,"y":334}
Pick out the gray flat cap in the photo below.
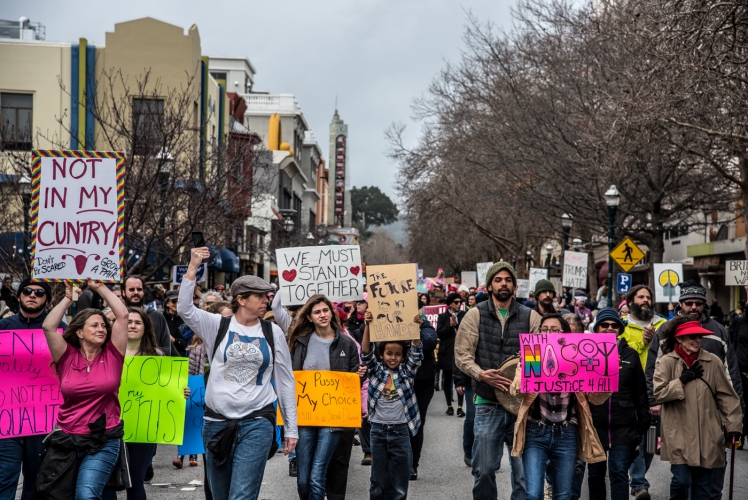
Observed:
{"x":253,"y":284}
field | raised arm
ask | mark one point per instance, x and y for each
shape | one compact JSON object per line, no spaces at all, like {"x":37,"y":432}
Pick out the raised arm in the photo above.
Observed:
{"x":201,"y":322}
{"x":57,"y":345}
{"x":119,"y":328}
{"x":282,"y":318}
{"x":365,"y":343}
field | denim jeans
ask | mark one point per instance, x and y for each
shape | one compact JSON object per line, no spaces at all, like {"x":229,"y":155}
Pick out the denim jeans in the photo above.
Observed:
{"x":468,"y":436}
{"x":16,"y":454}
{"x":94,"y":471}
{"x":493,"y":428}
{"x":617,"y":465}
{"x":313,"y":454}
{"x":337,"y":471}
{"x":424,"y":391}
{"x":698,"y":479}
{"x":554,"y":443}
{"x":391,"y":460}
{"x":576,"y":481}
{"x":240,"y":477}
{"x":639,"y":468}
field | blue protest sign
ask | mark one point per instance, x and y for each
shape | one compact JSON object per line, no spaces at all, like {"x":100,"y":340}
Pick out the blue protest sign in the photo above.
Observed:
{"x":192,"y":443}
{"x":623,"y":282}
{"x":179,"y":272}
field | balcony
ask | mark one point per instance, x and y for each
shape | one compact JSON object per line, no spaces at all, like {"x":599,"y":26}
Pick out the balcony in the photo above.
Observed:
{"x":264,"y":104}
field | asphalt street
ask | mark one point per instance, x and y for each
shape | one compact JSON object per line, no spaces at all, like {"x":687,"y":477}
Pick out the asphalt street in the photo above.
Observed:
{"x":442,"y":473}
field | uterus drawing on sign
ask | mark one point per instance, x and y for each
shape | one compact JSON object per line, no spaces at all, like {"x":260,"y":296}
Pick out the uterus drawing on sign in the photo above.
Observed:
{"x":81,"y":261}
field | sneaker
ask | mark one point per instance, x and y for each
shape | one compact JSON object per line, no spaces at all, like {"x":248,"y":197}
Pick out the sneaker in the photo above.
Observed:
{"x":292,"y":470}
{"x":176,"y":463}
{"x":460,"y":413}
{"x":149,"y":473}
{"x":468,"y":461}
{"x":450,"y":411}
{"x":642,"y":494}
{"x":413,"y":474}
{"x":356,"y":441}
{"x":367,"y":459}
{"x":193,"y":463}
{"x":548,"y":494}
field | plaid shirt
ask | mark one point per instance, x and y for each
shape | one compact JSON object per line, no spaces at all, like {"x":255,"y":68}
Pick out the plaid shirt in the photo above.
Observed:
{"x":402,"y":380}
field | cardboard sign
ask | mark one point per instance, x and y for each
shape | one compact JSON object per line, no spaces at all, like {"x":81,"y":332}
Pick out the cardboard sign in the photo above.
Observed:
{"x":328,"y":399}
{"x":30,"y":392}
{"x":736,"y":272}
{"x":151,"y":396}
{"x":536,"y":274}
{"x":482,"y":269}
{"x":77,"y":215}
{"x":178,"y":272}
{"x":469,"y":278}
{"x":569,"y":362}
{"x":575,"y":269}
{"x":192,"y":441}
{"x":667,"y":278}
{"x":334,"y":271}
{"x":393,"y":300}
{"x":523,"y":289}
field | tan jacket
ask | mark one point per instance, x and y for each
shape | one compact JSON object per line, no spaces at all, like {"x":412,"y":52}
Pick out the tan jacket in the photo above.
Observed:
{"x":589,"y":448}
{"x":691,"y":419}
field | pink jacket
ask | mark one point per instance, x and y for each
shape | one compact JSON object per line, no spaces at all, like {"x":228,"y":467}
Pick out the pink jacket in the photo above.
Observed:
{"x":365,"y":385}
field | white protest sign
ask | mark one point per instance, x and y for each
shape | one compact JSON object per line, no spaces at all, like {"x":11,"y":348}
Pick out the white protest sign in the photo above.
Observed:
{"x":736,"y":272}
{"x":575,"y":269}
{"x":468,"y":277}
{"x":523,"y":289}
{"x":482,"y":269}
{"x":536,"y":274}
{"x":77,"y":208}
{"x":333,"y":271}
{"x":667,"y":278}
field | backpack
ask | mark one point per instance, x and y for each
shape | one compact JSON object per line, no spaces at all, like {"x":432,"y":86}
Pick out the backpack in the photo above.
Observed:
{"x":267,"y":331}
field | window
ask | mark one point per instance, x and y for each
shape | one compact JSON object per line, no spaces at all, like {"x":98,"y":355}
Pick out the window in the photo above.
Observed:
{"x":284,"y":196}
{"x":297,"y":207}
{"x":313,"y":169}
{"x":312,"y":220}
{"x":16,"y":120}
{"x":147,"y":124}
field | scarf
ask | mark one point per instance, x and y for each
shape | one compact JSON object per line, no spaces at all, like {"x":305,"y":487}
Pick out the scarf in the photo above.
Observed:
{"x":688,"y":358}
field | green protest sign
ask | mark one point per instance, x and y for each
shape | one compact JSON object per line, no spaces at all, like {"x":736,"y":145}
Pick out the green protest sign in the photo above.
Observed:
{"x":151,"y":396}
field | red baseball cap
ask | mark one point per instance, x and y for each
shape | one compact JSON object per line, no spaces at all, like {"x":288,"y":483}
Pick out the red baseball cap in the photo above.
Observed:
{"x":220,"y":287}
{"x":691,"y":328}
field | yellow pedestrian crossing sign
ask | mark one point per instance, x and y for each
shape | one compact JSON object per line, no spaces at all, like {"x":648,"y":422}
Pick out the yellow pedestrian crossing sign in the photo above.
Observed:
{"x":627,"y":254}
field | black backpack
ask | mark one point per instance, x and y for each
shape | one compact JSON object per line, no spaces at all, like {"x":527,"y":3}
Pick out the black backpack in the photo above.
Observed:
{"x":267,"y":331}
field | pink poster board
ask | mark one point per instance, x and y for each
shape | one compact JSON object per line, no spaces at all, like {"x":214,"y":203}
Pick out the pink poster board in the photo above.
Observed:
{"x":30,"y":391}
{"x":569,"y":362}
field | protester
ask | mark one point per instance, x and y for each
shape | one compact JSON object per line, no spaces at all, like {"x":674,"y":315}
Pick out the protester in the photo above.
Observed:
{"x":210,"y":297}
{"x":355,"y":323}
{"x":693,"y":388}
{"x":156,"y":301}
{"x":174,"y":321}
{"x":24,"y":452}
{"x":312,"y":340}
{"x":488,"y":336}
{"x":84,"y":450}
{"x":446,"y":329}
{"x":245,"y":354}
{"x":716,"y":313}
{"x":133,"y":296}
{"x":623,"y":310}
{"x":602,"y":297}
{"x":471,"y":302}
{"x":463,"y":387}
{"x":622,"y":422}
{"x":8,"y":295}
{"x":583,"y":312}
{"x":740,"y":329}
{"x":545,"y":293}
{"x":548,"y":426}
{"x":393,"y":412}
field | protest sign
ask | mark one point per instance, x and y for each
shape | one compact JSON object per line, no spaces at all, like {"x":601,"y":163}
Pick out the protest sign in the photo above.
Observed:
{"x":192,"y":442}
{"x":468,"y":277}
{"x":736,"y":272}
{"x":30,"y":393}
{"x":151,"y":396}
{"x":482,"y":269}
{"x":333,"y":270}
{"x":393,"y":300}
{"x":432,"y":312}
{"x":575,"y":269}
{"x":523,"y":289}
{"x":178,"y":273}
{"x":328,"y":399}
{"x":569,"y":362}
{"x":77,"y":215}
{"x":667,"y":278}
{"x":423,"y":286}
{"x":536,"y":274}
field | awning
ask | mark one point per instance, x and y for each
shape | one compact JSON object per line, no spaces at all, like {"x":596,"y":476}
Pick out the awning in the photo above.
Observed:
{"x":224,"y":260}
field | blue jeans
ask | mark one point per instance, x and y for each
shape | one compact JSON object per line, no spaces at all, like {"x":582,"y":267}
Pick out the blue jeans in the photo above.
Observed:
{"x":140,"y":455}
{"x":240,"y":477}
{"x":313,"y":454}
{"x":15,"y":454}
{"x":391,"y":461}
{"x":698,"y":479}
{"x":639,"y":468}
{"x":619,"y":460}
{"x":468,"y":435}
{"x":576,"y":482}
{"x":493,"y":428}
{"x":94,"y":471}
{"x":557,"y":443}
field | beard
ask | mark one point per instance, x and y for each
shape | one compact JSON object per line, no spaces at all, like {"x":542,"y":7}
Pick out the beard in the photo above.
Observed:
{"x":547,"y":304}
{"x":31,"y":310}
{"x":644,"y":314}
{"x":130,"y":303}
{"x":502,"y":294}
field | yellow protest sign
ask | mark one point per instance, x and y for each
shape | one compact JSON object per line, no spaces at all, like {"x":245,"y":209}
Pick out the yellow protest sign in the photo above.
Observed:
{"x":393,"y":300}
{"x":327,"y":399}
{"x":151,"y":396}
{"x":627,"y":254}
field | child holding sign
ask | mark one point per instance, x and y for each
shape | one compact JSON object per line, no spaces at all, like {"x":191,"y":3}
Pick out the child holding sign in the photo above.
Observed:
{"x":393,"y":411}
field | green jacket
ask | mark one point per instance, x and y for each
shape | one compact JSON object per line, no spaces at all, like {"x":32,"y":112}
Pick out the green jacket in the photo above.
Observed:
{"x":633,"y":334}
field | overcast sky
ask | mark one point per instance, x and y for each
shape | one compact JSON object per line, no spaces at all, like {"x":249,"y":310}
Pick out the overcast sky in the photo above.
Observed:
{"x":375,"y":55}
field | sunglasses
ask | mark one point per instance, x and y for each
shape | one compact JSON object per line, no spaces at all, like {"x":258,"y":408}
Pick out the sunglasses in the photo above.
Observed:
{"x":691,"y":303}
{"x":609,"y":324}
{"x":28,"y":291}
{"x":458,"y":302}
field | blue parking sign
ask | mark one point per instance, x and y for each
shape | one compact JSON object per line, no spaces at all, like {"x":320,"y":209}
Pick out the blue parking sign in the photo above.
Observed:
{"x":623,"y":283}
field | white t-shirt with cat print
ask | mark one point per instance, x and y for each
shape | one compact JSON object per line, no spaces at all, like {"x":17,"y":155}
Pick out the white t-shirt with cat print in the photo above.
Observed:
{"x":242,"y":369}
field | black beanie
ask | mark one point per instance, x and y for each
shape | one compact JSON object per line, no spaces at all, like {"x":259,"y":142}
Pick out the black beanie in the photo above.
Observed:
{"x":29,"y":281}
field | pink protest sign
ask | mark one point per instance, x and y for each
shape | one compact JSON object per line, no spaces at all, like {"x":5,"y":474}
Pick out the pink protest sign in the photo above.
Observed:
{"x":30,"y":393}
{"x":569,"y":362}
{"x":432,"y":312}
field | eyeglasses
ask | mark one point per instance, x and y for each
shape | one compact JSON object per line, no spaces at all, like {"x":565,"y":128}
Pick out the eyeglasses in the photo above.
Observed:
{"x":458,"y":302}
{"x":39,"y":293}
{"x":608,"y":325}
{"x":553,"y":329}
{"x":691,"y":303}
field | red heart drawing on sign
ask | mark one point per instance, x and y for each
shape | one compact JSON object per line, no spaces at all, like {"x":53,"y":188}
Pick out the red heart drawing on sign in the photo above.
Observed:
{"x":355,"y":270}
{"x":289,"y":275}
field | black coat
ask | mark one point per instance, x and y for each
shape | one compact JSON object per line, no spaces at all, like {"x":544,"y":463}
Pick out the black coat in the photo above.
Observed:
{"x":446,"y":334}
{"x":174,"y":321}
{"x":343,"y":354}
{"x":739,"y":335}
{"x":624,"y":417}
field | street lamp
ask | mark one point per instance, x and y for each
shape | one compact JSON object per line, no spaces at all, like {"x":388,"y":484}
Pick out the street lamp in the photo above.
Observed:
{"x":322,"y":233}
{"x":26,"y":198}
{"x":576,"y":243}
{"x":310,"y":239}
{"x":529,"y":260}
{"x":612,"y":199}
{"x":566,"y":223}
{"x":288,"y":214}
{"x":549,"y":249}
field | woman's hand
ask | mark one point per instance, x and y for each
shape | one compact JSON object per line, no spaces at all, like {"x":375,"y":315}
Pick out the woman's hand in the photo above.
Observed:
{"x":93,"y":285}
{"x":368,"y":317}
{"x":186,"y":393}
{"x":418,"y":319}
{"x":361,"y":371}
{"x":197,"y":256}
{"x":69,"y":288}
{"x":289,"y":445}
